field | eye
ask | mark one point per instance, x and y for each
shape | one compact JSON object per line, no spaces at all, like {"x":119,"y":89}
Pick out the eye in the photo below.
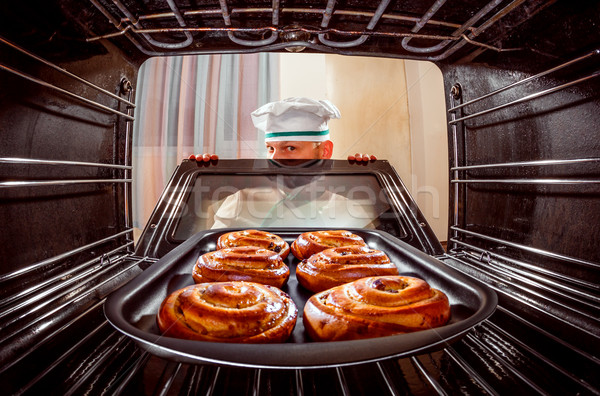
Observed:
{"x":270,"y":149}
{"x":290,"y":148}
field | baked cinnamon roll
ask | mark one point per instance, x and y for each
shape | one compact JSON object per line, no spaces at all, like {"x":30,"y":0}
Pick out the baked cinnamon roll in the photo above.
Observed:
{"x":336,"y":266}
{"x":244,"y":263}
{"x":313,"y":242}
{"x":375,"y":307}
{"x":262,"y":239}
{"x":243,"y":312}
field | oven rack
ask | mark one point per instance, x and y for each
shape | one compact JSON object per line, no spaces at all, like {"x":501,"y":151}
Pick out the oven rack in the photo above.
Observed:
{"x":35,"y":314}
{"x":125,"y":85}
{"x":525,"y":80}
{"x":435,"y":373}
{"x":540,"y":293}
{"x":461,"y":179}
{"x":125,"y":88}
{"x":529,"y":294}
{"x":454,"y":120}
{"x":534,"y":276}
{"x":541,"y":252}
{"x":313,"y":28}
{"x":49,"y":263}
{"x":552,"y":277}
{"x":41,"y":298}
{"x":34,"y":183}
{"x":61,"y":70}
{"x":525,"y":293}
{"x":527,"y":98}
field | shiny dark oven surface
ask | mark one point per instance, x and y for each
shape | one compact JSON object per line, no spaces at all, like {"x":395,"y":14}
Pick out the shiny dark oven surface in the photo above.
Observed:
{"x":522,"y":94}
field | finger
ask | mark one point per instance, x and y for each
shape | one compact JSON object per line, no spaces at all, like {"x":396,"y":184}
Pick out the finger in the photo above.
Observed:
{"x":373,"y":158}
{"x":214,"y":157}
{"x":205,"y":157}
{"x":351,"y":158}
{"x":192,"y":157}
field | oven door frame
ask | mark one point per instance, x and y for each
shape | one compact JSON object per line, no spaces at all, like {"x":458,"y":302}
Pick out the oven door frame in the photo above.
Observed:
{"x":156,"y":240}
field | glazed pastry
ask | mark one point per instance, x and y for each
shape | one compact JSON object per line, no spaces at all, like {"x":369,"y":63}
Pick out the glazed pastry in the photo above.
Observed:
{"x":375,"y":307}
{"x":244,"y":263}
{"x":242,"y":312}
{"x":313,"y":242}
{"x":336,"y":266}
{"x":261,"y":239}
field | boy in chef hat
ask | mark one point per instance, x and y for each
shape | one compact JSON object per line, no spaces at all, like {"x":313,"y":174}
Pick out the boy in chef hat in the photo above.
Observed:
{"x":296,"y":128}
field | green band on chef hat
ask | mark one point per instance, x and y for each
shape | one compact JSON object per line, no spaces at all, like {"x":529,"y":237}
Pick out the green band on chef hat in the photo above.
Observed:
{"x":295,"y":135}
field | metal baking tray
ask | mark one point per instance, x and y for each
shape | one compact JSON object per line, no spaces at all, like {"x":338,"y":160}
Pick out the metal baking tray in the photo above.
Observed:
{"x":132,"y":310}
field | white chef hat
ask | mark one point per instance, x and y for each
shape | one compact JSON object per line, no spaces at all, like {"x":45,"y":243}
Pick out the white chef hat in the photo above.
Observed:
{"x":295,"y":119}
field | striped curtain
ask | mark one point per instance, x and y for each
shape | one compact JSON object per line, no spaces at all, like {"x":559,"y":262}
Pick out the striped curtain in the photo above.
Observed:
{"x":195,"y":104}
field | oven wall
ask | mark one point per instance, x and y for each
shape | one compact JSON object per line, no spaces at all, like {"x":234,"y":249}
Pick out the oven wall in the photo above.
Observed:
{"x":528,"y":221}
{"x":64,"y":197}
{"x":62,"y":207}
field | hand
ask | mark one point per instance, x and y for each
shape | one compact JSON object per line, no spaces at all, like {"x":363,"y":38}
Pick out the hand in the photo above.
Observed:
{"x":203,"y":157}
{"x":361,"y":157}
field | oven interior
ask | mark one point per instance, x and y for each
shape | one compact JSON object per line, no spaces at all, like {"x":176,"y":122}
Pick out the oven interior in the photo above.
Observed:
{"x":522,"y":94}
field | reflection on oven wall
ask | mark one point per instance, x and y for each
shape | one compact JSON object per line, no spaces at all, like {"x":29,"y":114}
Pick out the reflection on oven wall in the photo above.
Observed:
{"x":397,"y":113}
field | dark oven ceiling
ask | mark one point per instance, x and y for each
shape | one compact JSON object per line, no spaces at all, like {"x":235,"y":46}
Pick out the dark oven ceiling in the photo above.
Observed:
{"x":443,"y":31}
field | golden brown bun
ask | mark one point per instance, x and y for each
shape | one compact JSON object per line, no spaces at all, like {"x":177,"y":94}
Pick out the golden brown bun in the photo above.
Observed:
{"x":375,"y":307}
{"x":336,"y":266}
{"x":244,"y":263}
{"x":262,"y":239}
{"x":242,"y":312}
{"x":310,"y":243}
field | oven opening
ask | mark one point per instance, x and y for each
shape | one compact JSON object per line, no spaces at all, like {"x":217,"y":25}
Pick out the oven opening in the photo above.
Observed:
{"x":202,"y":103}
